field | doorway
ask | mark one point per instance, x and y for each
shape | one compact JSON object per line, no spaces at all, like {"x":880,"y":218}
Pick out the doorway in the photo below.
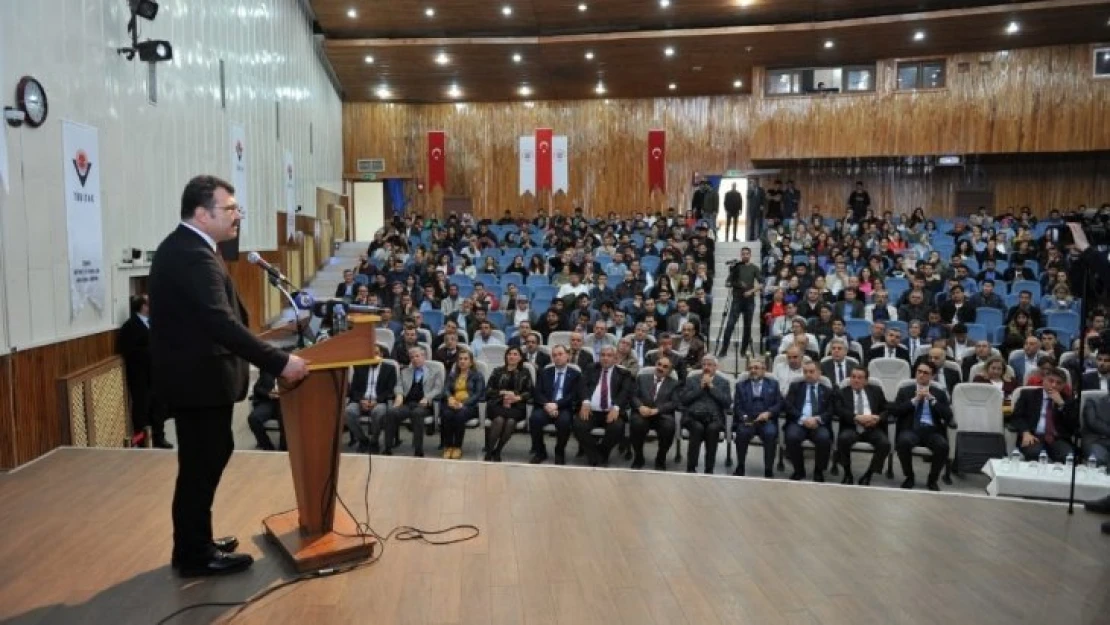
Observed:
{"x":369,"y":203}
{"x":725,"y":187}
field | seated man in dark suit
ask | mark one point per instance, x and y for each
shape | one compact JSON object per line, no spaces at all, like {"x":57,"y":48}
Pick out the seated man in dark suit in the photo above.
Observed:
{"x":666,"y":348}
{"x":1099,"y":379}
{"x":863,"y":418}
{"x":705,"y":397}
{"x":556,"y":399}
{"x":923,"y":413}
{"x":981,"y":355}
{"x":1046,"y":420}
{"x":756,"y":411}
{"x":532,"y":352}
{"x":373,"y":388}
{"x":265,"y":406}
{"x":606,"y":388}
{"x":945,"y":377}
{"x":348,"y":287}
{"x":1096,"y":429}
{"x":808,"y":417}
{"x":892,"y":348}
{"x":653,"y":408}
{"x":838,"y":367}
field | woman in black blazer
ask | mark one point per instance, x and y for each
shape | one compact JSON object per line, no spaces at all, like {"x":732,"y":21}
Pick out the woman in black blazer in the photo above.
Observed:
{"x":508,"y":395}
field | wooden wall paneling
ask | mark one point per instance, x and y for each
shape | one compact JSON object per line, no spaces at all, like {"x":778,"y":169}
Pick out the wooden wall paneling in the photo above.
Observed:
{"x":7,"y":414}
{"x":1030,"y":100}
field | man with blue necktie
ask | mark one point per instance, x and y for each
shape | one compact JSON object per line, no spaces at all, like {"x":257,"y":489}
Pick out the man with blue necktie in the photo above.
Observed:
{"x":923,"y":412}
{"x":556,"y":399}
{"x":808,"y":417}
{"x":757,"y":406}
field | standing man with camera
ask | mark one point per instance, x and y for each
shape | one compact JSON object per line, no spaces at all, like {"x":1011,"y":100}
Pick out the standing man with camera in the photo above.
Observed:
{"x":743,"y":279}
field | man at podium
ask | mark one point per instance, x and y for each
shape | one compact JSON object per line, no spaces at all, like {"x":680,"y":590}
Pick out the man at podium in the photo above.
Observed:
{"x":200,"y":347}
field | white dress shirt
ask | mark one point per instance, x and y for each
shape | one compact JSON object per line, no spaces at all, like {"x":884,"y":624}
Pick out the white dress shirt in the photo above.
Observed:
{"x":209,"y":240}
{"x":595,"y":399}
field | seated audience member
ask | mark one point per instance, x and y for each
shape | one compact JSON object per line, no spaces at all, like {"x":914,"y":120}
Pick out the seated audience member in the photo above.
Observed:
{"x":892,"y":348}
{"x":508,"y":395}
{"x":756,"y":410}
{"x":1025,"y":361}
{"x":983,"y":352}
{"x":642,"y":343}
{"x":1045,"y":419}
{"x":598,"y":339}
{"x":484,"y":337}
{"x":532,"y":352}
{"x":578,"y":354}
{"x":418,"y":387}
{"x":690,"y":344}
{"x":265,"y":406}
{"x":666,"y":348}
{"x":878,"y":332}
{"x":404,"y":346}
{"x":994,"y":372}
{"x":348,"y":288}
{"x":787,"y":372}
{"x":863,"y":419}
{"x":606,"y":389}
{"x":948,"y":379}
{"x":464,"y":389}
{"x":625,"y":357}
{"x":556,"y":399}
{"x":808,"y":412}
{"x":448,"y":351}
{"x":838,"y":366}
{"x":1096,"y":429}
{"x":373,"y":387}
{"x":923,"y":413}
{"x":705,"y":397}
{"x":653,"y":408}
{"x":1099,"y":379}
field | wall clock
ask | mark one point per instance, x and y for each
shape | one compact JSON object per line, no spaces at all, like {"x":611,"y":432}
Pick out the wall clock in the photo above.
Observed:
{"x":30,"y":97}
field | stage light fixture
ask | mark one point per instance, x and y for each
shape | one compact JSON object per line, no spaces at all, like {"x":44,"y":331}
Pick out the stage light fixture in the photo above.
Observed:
{"x":146,"y":9}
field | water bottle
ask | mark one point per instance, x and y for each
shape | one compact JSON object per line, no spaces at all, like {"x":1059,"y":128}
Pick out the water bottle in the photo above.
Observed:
{"x":1043,"y":461}
{"x":339,"y":319}
{"x":1092,"y":464}
{"x":1069,"y":461}
{"x":1015,"y":458}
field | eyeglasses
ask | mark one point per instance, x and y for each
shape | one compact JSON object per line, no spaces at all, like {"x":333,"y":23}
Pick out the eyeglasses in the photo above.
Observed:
{"x":229,"y":208}
{"x":920,"y":371}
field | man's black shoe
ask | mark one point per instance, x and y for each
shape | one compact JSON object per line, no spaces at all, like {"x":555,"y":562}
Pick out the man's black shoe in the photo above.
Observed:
{"x":1100,"y":506}
{"x":219,"y":563}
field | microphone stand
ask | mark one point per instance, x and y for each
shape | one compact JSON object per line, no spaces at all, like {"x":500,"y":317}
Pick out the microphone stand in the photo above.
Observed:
{"x":296,"y":317}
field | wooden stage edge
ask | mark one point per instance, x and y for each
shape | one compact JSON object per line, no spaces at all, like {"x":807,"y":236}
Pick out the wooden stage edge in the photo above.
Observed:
{"x":88,"y":535}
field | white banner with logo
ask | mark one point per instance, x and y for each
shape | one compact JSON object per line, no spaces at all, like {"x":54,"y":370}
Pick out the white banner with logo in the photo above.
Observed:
{"x":238,"y":136}
{"x":81,"y":164}
{"x":290,"y":197}
{"x":560,"y":180}
{"x":528,"y":165}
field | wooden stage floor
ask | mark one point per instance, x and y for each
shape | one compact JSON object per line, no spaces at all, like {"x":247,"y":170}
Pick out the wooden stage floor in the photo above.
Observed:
{"x":86,"y":539}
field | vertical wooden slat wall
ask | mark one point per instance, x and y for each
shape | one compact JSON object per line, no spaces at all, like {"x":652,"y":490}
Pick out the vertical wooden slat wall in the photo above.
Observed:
{"x":1032,"y":100}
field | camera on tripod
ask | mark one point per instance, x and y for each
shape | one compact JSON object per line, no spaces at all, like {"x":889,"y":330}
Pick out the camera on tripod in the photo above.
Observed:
{"x":1095,"y":224}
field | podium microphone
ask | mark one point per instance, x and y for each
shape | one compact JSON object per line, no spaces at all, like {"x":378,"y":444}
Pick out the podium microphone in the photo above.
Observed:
{"x":255,"y":259}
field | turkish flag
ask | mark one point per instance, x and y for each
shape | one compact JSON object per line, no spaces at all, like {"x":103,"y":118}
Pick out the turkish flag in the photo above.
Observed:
{"x":437,"y":159}
{"x":544,"y":151}
{"x":657,"y":160}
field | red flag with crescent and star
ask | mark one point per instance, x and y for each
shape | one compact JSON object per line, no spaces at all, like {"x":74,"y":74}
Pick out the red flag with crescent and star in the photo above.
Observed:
{"x":657,"y":160}
{"x":437,"y":160}
{"x":544,"y":157}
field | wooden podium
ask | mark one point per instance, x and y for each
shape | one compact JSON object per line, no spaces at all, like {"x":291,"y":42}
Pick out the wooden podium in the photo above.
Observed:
{"x":316,"y":535}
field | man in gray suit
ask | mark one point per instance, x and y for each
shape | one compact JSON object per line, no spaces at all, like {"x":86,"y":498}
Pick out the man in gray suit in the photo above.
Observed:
{"x":653,"y":408}
{"x":418,"y":386}
{"x":681,"y":317}
{"x":704,"y":398}
{"x":1096,"y":429}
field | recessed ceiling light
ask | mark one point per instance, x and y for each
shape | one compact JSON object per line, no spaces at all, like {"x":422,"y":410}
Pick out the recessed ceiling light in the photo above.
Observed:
{"x":582,"y":7}
{"x":454,"y":91}
{"x":668,"y":51}
{"x":525,"y":90}
{"x":736,"y":84}
{"x":919,"y":36}
{"x":589,"y":55}
{"x":383,"y":92}
{"x":506,"y":10}
{"x":672,"y":86}
{"x":600,"y":89}
{"x":351,"y":13}
{"x":829,"y":44}
{"x":430,"y":12}
{"x":369,"y":60}
{"x":1013,"y":28}
{"x":442,"y":59}
{"x":664,"y":3}
{"x":517,"y":58}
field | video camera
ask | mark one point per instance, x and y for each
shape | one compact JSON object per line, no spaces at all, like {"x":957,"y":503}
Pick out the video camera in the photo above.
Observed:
{"x":1095,"y":224}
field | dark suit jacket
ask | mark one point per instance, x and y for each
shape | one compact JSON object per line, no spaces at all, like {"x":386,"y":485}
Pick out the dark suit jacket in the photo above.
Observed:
{"x":846,"y":406}
{"x":384,"y":387}
{"x":905,"y":412}
{"x":1027,"y":412}
{"x":545,"y":389}
{"x":827,"y":370}
{"x":341,"y":289}
{"x":879,"y":351}
{"x":200,"y":342}
{"x":743,"y":402}
{"x":967,"y":363}
{"x":584,"y":359}
{"x":666,"y":400}
{"x":622,"y":387}
{"x":1091,"y":381}
{"x":542,"y":360}
{"x":678,"y":362}
{"x":967,"y":312}
{"x":134,"y":346}
{"x":796,"y":400}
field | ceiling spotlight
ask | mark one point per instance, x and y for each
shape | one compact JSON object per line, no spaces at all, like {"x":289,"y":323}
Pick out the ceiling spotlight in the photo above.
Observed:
{"x":454,"y":91}
{"x":582,"y":7}
{"x":506,"y":10}
{"x":664,"y":3}
{"x":351,"y":13}
{"x":669,"y":51}
{"x":383,"y":92}
{"x":517,"y":58}
{"x":736,"y":84}
{"x":829,"y":44}
{"x":1012,"y":28}
{"x":599,"y":89}
{"x":369,"y":60}
{"x":589,"y":56}
{"x":442,"y":59}
{"x":430,"y":12}
{"x":525,"y":90}
{"x":919,"y":36}
{"x":672,"y":86}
